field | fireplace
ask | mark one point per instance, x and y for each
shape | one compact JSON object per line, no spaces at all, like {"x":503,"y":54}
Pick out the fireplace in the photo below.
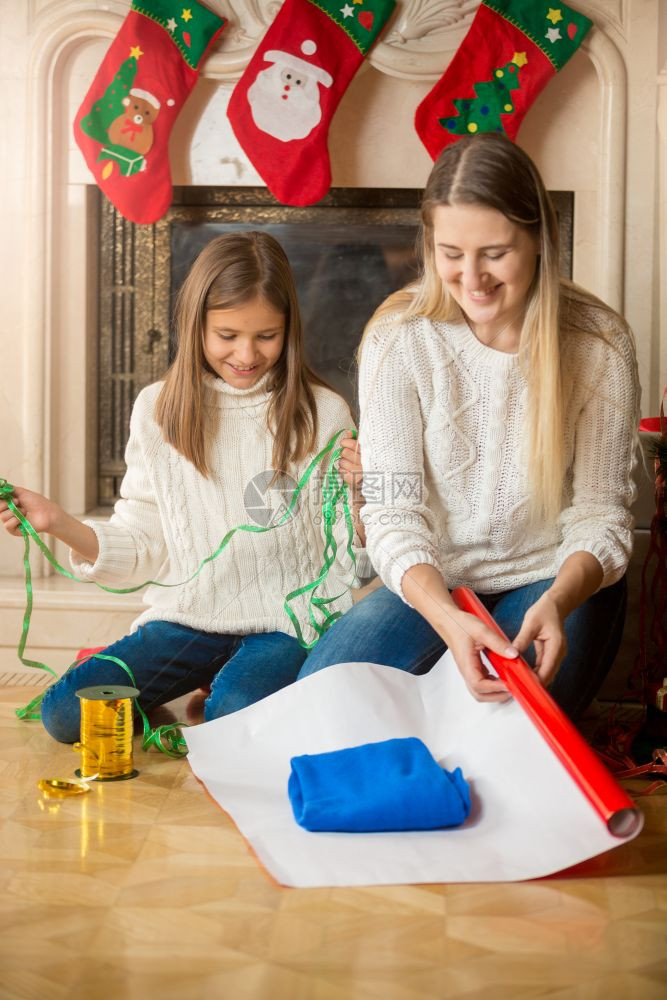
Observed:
{"x":347,"y":253}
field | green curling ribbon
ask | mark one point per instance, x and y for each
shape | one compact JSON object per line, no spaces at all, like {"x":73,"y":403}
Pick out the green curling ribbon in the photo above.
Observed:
{"x":168,"y":738}
{"x":30,"y":710}
{"x":334,"y":490}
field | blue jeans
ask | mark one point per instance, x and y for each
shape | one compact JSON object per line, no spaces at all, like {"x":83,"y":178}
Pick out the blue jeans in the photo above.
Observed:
{"x":381,"y":628}
{"x":169,"y":660}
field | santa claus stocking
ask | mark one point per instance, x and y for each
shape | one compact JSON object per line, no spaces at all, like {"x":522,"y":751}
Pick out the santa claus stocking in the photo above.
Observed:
{"x":282,"y":105}
{"x":513,"y":48}
{"x":124,"y":123}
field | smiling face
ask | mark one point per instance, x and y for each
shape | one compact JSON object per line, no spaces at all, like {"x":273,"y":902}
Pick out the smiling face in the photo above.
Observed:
{"x":243,"y":343}
{"x":487,"y":263}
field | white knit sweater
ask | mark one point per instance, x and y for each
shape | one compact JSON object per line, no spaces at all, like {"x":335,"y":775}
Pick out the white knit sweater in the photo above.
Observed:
{"x":170,"y":518}
{"x":443,"y":414}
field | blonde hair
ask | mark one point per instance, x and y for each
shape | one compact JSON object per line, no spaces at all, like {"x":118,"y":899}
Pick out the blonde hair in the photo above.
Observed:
{"x":230,"y":271}
{"x":491,"y":171}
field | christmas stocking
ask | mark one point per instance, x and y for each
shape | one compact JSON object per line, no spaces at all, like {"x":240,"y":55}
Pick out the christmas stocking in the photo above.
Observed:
{"x":511,"y":51}
{"x":124,"y":123}
{"x":281,"y":108}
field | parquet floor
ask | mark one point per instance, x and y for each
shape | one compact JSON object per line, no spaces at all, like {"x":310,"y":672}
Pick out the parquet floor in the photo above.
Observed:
{"x":144,"y":889}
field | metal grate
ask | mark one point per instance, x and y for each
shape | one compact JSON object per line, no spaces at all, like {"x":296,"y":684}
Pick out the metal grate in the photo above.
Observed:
{"x":138,"y":276}
{"x":25,"y":678}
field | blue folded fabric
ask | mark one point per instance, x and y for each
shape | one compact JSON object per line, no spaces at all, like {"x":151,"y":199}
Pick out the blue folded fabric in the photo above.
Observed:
{"x":391,"y":785}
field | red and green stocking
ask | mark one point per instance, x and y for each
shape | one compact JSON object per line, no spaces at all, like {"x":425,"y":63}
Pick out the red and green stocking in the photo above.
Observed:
{"x":124,"y":123}
{"x":282,"y":106}
{"x":512,"y":50}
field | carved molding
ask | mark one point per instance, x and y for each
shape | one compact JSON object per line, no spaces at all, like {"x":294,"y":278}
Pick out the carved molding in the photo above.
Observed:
{"x":611,"y":12}
{"x":612,"y":77}
{"x":42,"y":11}
{"x":417,"y":44}
{"x":59,"y":34}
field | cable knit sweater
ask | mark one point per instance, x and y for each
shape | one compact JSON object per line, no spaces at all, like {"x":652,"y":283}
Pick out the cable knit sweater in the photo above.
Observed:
{"x":442,"y":435}
{"x":170,"y":518}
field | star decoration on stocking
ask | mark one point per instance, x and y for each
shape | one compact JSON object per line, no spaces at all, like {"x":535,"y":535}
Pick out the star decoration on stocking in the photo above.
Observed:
{"x":171,"y":24}
{"x":520,"y":59}
{"x":554,"y":15}
{"x":553,"y":34}
{"x":347,"y":11}
{"x":187,"y":14}
{"x":135,"y":52}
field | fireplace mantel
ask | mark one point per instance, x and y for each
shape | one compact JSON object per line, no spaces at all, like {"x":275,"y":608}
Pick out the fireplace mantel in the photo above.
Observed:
{"x":592,"y":131}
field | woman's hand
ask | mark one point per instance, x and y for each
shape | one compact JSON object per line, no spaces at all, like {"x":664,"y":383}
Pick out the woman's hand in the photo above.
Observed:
{"x":349,"y":464}
{"x":467,"y":636}
{"x":41,"y":513}
{"x":578,"y":579}
{"x":543,"y":625}
{"x":463,"y":633}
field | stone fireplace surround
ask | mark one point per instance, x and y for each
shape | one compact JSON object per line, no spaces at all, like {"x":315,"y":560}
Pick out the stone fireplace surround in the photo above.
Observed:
{"x":592,"y":131}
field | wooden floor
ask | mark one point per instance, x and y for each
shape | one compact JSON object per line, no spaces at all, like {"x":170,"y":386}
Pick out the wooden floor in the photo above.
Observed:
{"x":144,"y":889}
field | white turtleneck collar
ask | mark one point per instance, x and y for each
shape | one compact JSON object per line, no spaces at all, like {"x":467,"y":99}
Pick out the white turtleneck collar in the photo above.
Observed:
{"x":226,"y":395}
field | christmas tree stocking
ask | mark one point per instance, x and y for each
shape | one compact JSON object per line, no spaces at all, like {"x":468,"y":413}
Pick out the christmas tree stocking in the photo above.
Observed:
{"x":512,"y":50}
{"x":124,"y":123}
{"x":282,"y":106}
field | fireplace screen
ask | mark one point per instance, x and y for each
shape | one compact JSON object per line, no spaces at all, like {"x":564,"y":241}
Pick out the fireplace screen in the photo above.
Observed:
{"x":348,"y":253}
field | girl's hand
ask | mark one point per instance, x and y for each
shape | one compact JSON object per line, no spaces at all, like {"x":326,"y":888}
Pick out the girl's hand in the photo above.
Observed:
{"x":467,"y":636}
{"x":543,"y":625}
{"x":349,"y":464}
{"x":45,"y":515}
{"x":41,"y":513}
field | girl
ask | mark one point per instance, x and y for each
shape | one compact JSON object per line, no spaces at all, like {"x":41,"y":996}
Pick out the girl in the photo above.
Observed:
{"x":506,"y":399}
{"x":238,"y":402}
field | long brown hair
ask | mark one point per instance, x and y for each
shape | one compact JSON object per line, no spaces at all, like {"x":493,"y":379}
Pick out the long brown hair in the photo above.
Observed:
{"x":230,"y":271}
{"x":489,"y":170}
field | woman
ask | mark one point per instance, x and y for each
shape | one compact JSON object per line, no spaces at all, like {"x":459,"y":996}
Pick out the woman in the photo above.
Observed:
{"x":498,"y":411}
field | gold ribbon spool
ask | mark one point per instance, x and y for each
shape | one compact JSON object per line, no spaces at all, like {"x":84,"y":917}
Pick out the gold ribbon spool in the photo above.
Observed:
{"x":107,"y":727}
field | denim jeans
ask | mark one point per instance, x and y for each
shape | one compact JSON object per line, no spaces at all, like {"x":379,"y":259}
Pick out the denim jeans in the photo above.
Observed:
{"x":381,"y":628}
{"x":169,"y":660}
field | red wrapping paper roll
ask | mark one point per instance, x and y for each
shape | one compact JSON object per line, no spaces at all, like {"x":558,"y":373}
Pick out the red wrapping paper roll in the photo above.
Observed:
{"x":599,"y":786}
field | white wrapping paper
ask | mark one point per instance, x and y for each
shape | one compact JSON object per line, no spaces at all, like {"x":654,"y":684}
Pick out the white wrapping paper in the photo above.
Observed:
{"x":528,"y":819}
